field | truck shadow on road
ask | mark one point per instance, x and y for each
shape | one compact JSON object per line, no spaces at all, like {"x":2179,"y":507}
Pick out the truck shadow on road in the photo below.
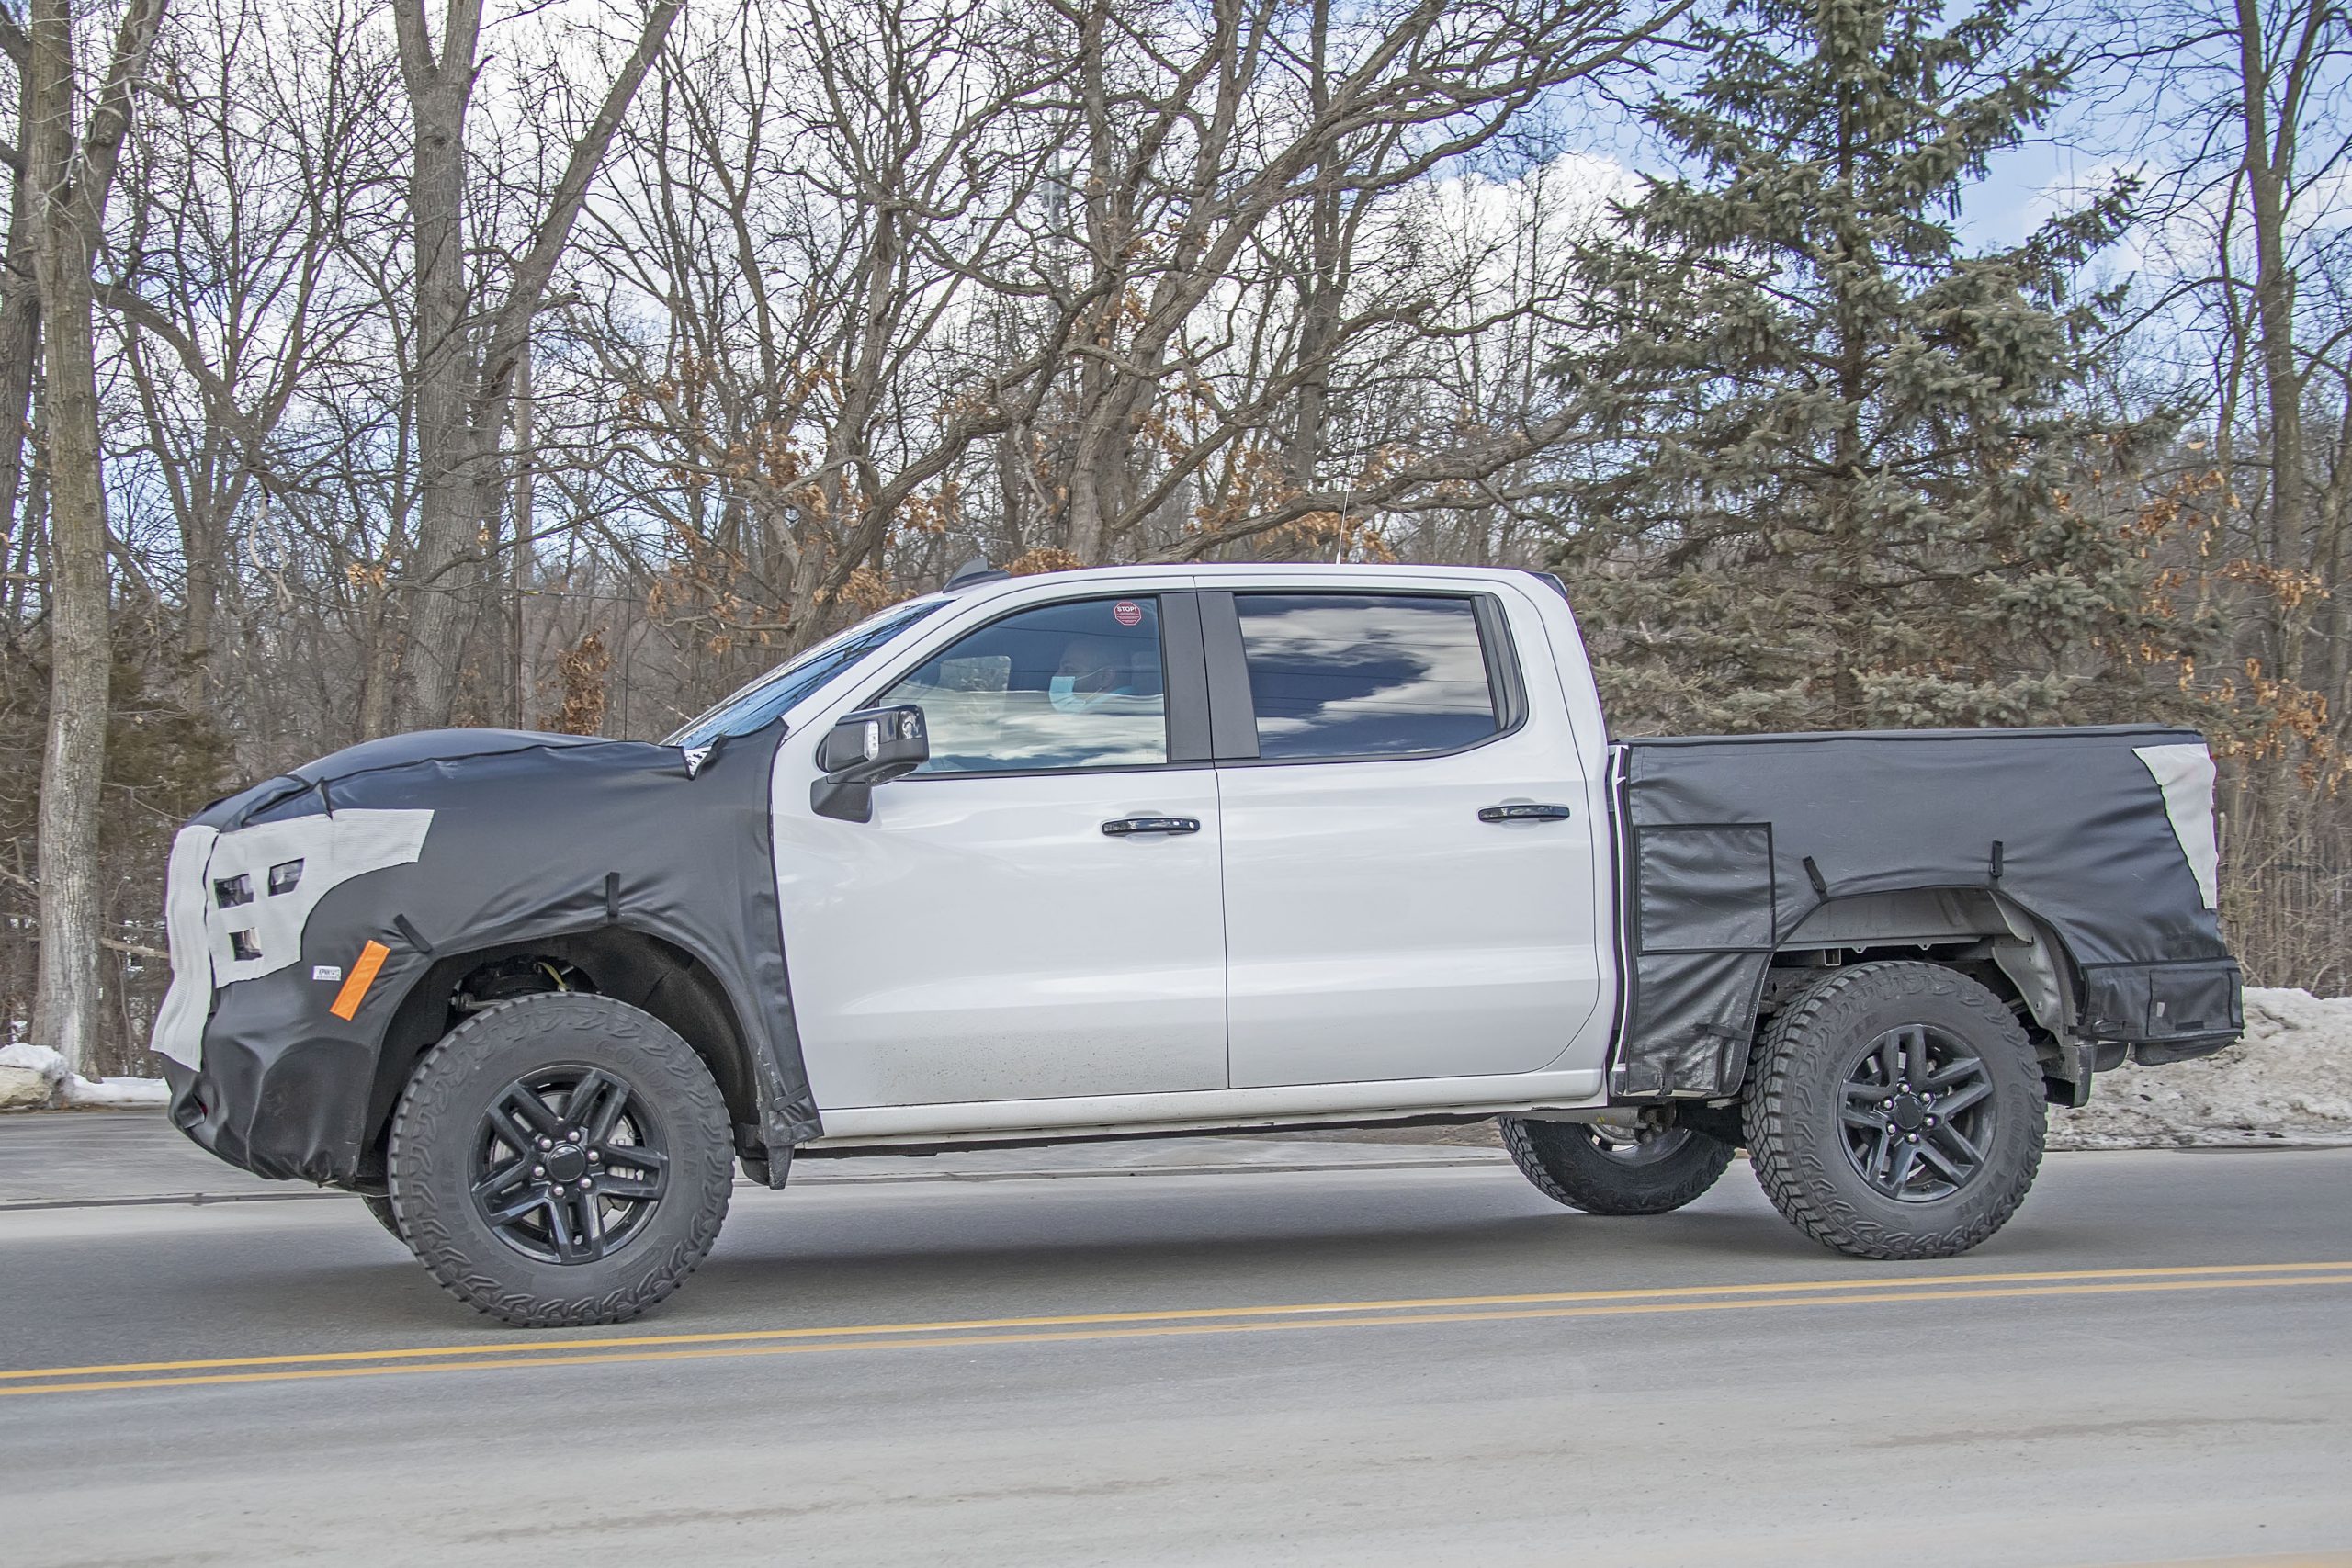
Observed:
{"x":828,"y":1269}
{"x":794,"y":1258}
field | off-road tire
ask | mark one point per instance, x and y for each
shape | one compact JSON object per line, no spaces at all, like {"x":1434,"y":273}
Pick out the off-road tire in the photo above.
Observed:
{"x":1796,"y":1141}
{"x":431,"y":1157}
{"x":1566,"y":1163}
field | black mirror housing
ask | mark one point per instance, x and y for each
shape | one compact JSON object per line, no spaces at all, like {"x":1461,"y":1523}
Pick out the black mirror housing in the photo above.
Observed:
{"x":863,"y":748}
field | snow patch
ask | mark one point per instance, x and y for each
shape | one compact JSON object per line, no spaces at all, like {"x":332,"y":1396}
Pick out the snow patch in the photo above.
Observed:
{"x":2288,"y":1080}
{"x":50,"y":1064}
{"x":115,"y":1094}
{"x":33,"y":1077}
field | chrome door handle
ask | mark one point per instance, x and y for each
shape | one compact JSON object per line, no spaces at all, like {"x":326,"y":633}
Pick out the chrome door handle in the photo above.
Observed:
{"x":1524,"y":813}
{"x":1120,"y":827}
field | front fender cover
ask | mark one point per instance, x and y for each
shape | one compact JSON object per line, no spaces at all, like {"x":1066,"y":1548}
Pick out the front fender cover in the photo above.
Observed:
{"x":530,"y":837}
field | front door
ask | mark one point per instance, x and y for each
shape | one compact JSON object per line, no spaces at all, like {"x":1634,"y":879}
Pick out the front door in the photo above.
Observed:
{"x":1378,"y":926}
{"x":1036,"y":912}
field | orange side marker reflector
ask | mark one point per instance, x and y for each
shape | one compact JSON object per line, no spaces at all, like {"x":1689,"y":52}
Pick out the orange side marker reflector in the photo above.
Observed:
{"x":363,"y":975}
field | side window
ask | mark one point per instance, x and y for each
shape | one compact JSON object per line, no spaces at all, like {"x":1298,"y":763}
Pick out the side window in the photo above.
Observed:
{"x":1076,"y":685}
{"x":1364,"y":675}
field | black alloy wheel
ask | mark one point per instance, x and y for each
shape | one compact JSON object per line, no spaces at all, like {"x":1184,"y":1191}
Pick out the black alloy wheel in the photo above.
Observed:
{"x":563,"y":1158}
{"x":1895,"y":1110}
{"x":569,"y":1165}
{"x":1920,"y":1112}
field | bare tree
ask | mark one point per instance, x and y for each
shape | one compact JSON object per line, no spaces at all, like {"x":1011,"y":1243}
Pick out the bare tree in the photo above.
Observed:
{"x":467,"y":347}
{"x":2249,"y":118}
{"x":71,"y":175}
{"x":1067,"y":283}
{"x":235,"y":286}
{"x":808,"y":194}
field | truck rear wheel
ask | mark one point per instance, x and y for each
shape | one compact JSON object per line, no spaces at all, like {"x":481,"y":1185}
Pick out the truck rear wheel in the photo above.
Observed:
{"x":1896,"y":1112}
{"x":561,"y":1159}
{"x":1615,"y":1171}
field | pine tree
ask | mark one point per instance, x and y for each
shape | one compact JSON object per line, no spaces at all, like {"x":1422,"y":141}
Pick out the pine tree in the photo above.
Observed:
{"x":1845,"y":474}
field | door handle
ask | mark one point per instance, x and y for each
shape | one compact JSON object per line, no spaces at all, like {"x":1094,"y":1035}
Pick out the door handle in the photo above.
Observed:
{"x":1523,"y":813}
{"x":1120,"y":827}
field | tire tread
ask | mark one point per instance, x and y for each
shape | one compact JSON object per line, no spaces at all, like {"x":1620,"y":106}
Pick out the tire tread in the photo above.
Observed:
{"x":1566,"y":1184}
{"x":1782,"y":1126}
{"x":424,"y":1110}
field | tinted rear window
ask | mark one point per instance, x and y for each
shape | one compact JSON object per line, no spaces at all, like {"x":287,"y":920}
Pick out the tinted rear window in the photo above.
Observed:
{"x":1364,"y":675}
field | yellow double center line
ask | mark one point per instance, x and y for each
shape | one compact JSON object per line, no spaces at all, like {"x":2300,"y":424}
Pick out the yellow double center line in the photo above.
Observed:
{"x":512,"y":1353}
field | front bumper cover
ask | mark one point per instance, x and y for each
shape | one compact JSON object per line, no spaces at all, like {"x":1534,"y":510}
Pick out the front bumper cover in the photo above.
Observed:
{"x":276,"y":1094}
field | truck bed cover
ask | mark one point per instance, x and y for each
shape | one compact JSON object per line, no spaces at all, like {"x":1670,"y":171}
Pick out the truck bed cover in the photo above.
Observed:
{"x":2102,"y":834}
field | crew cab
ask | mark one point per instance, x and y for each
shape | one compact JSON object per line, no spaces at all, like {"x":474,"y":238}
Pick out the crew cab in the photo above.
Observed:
{"x":1168,"y":850}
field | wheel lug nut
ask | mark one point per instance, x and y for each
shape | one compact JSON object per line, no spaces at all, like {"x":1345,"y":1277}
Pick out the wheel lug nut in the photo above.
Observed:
{"x":1915,"y":1138}
{"x":546,"y":1142}
{"x":539,"y":1170}
{"x":595,"y":1159}
{"x":558,"y":1186}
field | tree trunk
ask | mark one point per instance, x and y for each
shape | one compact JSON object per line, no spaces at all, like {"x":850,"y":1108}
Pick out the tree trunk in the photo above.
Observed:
{"x":520,"y":565}
{"x":200,"y":547}
{"x":379,"y":681}
{"x":2267,"y":168}
{"x":70,"y":178}
{"x":1318,"y":288}
{"x":74,"y":760}
{"x":439,"y":91}
{"x":19,"y":332}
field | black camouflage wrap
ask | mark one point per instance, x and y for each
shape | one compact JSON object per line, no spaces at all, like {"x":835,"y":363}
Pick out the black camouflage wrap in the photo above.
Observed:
{"x":533,"y":837}
{"x":1728,"y":843}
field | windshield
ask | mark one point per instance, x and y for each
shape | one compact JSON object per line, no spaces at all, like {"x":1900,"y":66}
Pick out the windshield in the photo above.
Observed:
{"x":775,"y":692}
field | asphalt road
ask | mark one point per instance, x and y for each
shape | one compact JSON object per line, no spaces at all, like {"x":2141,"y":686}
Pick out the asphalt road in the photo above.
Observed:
{"x":1214,"y":1362}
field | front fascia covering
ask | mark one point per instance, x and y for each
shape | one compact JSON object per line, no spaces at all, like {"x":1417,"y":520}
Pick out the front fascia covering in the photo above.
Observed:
{"x":1733,"y":842}
{"x":529,"y":837}
{"x":237,"y":903}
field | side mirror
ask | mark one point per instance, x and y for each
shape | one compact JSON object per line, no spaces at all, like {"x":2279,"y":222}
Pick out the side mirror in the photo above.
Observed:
{"x":864,"y":748}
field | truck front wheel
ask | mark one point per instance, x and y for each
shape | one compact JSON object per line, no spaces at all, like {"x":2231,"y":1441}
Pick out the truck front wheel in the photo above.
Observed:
{"x":1896,"y":1111}
{"x":1610,"y":1170}
{"x":561,"y":1159}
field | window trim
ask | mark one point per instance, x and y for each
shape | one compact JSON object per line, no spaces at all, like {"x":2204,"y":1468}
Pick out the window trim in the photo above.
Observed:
{"x":1233,"y":712}
{"x":1183,"y":668}
{"x":1184,"y":721}
{"x":1502,"y":663}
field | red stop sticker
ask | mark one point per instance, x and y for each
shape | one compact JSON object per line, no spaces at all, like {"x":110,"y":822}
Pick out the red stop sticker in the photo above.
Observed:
{"x":1127,"y":612}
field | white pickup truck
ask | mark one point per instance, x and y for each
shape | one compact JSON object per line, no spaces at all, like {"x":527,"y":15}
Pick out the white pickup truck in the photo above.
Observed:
{"x":1157,"y":850}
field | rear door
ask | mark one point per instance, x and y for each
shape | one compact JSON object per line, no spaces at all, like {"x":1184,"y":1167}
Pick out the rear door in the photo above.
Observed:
{"x":1036,"y":912}
{"x":1408,"y":857}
